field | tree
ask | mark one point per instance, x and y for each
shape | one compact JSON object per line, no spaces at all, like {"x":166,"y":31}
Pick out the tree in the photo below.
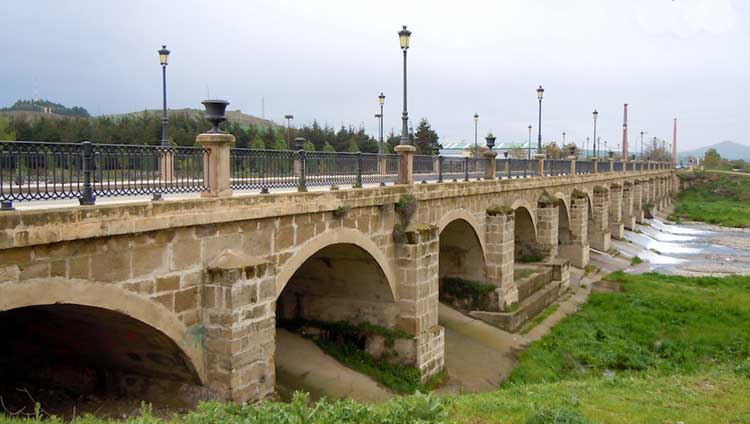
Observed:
{"x":426,"y":139}
{"x":518,"y":153}
{"x":552,"y":151}
{"x":712,"y":159}
{"x":257,"y":143}
{"x":391,"y":142}
{"x":6,"y":131}
{"x":308,"y":146}
{"x":353,"y":148}
{"x":328,"y":148}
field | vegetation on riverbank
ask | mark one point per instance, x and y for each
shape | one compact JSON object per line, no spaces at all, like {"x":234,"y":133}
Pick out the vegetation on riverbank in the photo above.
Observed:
{"x":665,"y":349}
{"x":716,"y":198}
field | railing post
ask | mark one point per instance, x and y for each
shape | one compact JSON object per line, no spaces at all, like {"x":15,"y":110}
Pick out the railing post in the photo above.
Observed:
{"x":508,"y":168}
{"x":595,"y":164}
{"x":406,"y":164}
{"x":540,"y":164}
{"x":302,"y":179}
{"x":87,"y":195}
{"x":466,"y":168}
{"x":358,"y":183}
{"x":611,"y":165}
{"x":217,"y":163}
{"x":572,"y":160}
{"x":440,"y":168}
{"x":491,"y":169}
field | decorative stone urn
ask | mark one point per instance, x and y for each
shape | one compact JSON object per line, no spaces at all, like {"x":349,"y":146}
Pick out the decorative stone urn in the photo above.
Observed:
{"x":215,"y":114}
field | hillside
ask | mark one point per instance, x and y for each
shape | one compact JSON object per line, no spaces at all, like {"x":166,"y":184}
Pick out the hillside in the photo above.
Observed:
{"x":727,"y":149}
{"x":232,"y":115}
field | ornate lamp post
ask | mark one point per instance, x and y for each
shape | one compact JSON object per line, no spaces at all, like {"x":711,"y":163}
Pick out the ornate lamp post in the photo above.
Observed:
{"x":539,"y":95}
{"x":476,"y":146}
{"x":403,"y":37}
{"x":379,"y":118}
{"x":587,"y":147}
{"x":381,"y":100}
{"x":163,"y":57}
{"x":596,"y":116}
{"x":563,"y":139}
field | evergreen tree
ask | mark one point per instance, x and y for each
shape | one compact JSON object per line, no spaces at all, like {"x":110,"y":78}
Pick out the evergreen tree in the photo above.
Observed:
{"x":328,"y":148}
{"x":426,"y":139}
{"x":6,"y":132}
{"x":353,"y":148}
{"x":257,"y":143}
{"x":308,"y":146}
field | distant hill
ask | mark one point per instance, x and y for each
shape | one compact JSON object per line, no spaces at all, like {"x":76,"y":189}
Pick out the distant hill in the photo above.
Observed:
{"x":727,"y":149}
{"x":48,"y":108}
{"x":232,"y":115}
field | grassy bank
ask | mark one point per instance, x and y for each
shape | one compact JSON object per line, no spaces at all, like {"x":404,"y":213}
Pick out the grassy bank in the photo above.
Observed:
{"x":664,"y":350}
{"x":716,"y":198}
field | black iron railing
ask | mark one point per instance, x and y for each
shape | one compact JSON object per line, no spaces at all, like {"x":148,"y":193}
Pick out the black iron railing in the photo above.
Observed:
{"x":617,"y":166}
{"x":44,"y":171}
{"x":584,"y":167}
{"x":265,"y":170}
{"x":522,"y":168}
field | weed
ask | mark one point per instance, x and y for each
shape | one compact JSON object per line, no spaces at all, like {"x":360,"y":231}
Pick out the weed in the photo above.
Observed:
{"x":636,"y":260}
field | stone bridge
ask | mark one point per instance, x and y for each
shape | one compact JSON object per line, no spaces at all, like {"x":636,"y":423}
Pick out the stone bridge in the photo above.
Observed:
{"x":192,"y":290}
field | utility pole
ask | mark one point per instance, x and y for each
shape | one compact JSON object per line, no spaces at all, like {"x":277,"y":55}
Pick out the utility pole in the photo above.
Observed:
{"x":674,"y":143}
{"x":625,"y":134}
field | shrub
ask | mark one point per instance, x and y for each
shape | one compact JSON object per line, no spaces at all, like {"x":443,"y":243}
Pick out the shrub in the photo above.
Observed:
{"x":558,"y":415}
{"x":636,"y":260}
{"x":406,"y":207}
{"x":341,"y":211}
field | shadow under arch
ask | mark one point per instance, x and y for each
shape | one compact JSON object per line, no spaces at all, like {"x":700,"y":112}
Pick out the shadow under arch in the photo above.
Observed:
{"x":329,"y":238}
{"x":143,"y":335}
{"x":462,"y":253}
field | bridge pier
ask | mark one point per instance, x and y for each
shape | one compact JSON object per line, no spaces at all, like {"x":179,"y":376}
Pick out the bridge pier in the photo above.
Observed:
{"x":638,"y":201}
{"x":599,"y":236}
{"x":616,"y":225}
{"x":576,"y":248}
{"x":499,"y":240}
{"x":547,"y":228}
{"x":418,"y":270}
{"x":628,"y":215}
{"x":237,"y":303}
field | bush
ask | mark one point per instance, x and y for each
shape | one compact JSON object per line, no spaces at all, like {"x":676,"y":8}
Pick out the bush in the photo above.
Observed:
{"x":558,"y":415}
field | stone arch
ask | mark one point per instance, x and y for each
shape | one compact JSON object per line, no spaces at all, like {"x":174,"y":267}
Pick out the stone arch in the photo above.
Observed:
{"x":461,"y":251}
{"x":109,"y":297}
{"x":523,"y":203}
{"x":563,"y":220}
{"x":328,"y":238}
{"x":525,"y":233}
{"x":469,"y":218}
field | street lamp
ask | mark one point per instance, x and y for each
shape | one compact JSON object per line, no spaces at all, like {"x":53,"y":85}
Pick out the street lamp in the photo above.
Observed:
{"x":476,"y":146}
{"x":529,"y":145}
{"x":587,"y":147}
{"x":642,"y":144}
{"x":596,"y":115}
{"x":403,"y":37}
{"x":163,"y":57}
{"x":379,"y":117}
{"x":563,"y":139}
{"x":381,"y":100}
{"x":289,"y":129}
{"x":539,"y":95}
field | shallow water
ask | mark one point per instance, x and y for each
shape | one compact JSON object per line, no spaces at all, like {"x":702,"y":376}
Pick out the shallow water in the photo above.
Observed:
{"x":689,"y":249}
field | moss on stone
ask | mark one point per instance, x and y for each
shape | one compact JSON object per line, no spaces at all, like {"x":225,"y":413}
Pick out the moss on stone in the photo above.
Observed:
{"x":547,"y":200}
{"x":500,"y":210}
{"x":600,"y":190}
{"x":578,"y":194}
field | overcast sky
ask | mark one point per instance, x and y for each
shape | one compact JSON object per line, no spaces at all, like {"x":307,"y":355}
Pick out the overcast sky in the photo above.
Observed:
{"x":328,"y":60}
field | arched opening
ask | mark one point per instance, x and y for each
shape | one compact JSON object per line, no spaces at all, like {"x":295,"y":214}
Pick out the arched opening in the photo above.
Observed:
{"x":461,"y":253}
{"x":525,"y":237}
{"x":338,"y":302}
{"x":65,"y":355}
{"x":563,"y":225}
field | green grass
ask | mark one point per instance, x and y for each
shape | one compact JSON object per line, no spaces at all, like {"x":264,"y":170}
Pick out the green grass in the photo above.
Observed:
{"x":590,"y":269}
{"x":659,"y":325}
{"x":636,"y":260}
{"x":716,"y":198}
{"x":540,"y":318}
{"x":524,"y":273}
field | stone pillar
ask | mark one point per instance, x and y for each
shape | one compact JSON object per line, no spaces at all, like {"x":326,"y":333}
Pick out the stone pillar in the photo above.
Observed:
{"x":217,"y":163}
{"x":238,"y":316}
{"x":616,"y":226}
{"x":490,"y":170}
{"x":652,"y":197}
{"x":576,"y":250}
{"x":572,"y":160}
{"x":166,"y":167}
{"x":406,"y":164}
{"x":499,"y":244}
{"x":611,"y":165}
{"x":547,"y":226}
{"x":596,"y":165}
{"x":539,"y":164}
{"x":598,"y":224}
{"x":436,"y":165}
{"x":628,"y":215}
{"x":417,"y":266}
{"x":638,"y":189}
{"x":507,"y":168}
